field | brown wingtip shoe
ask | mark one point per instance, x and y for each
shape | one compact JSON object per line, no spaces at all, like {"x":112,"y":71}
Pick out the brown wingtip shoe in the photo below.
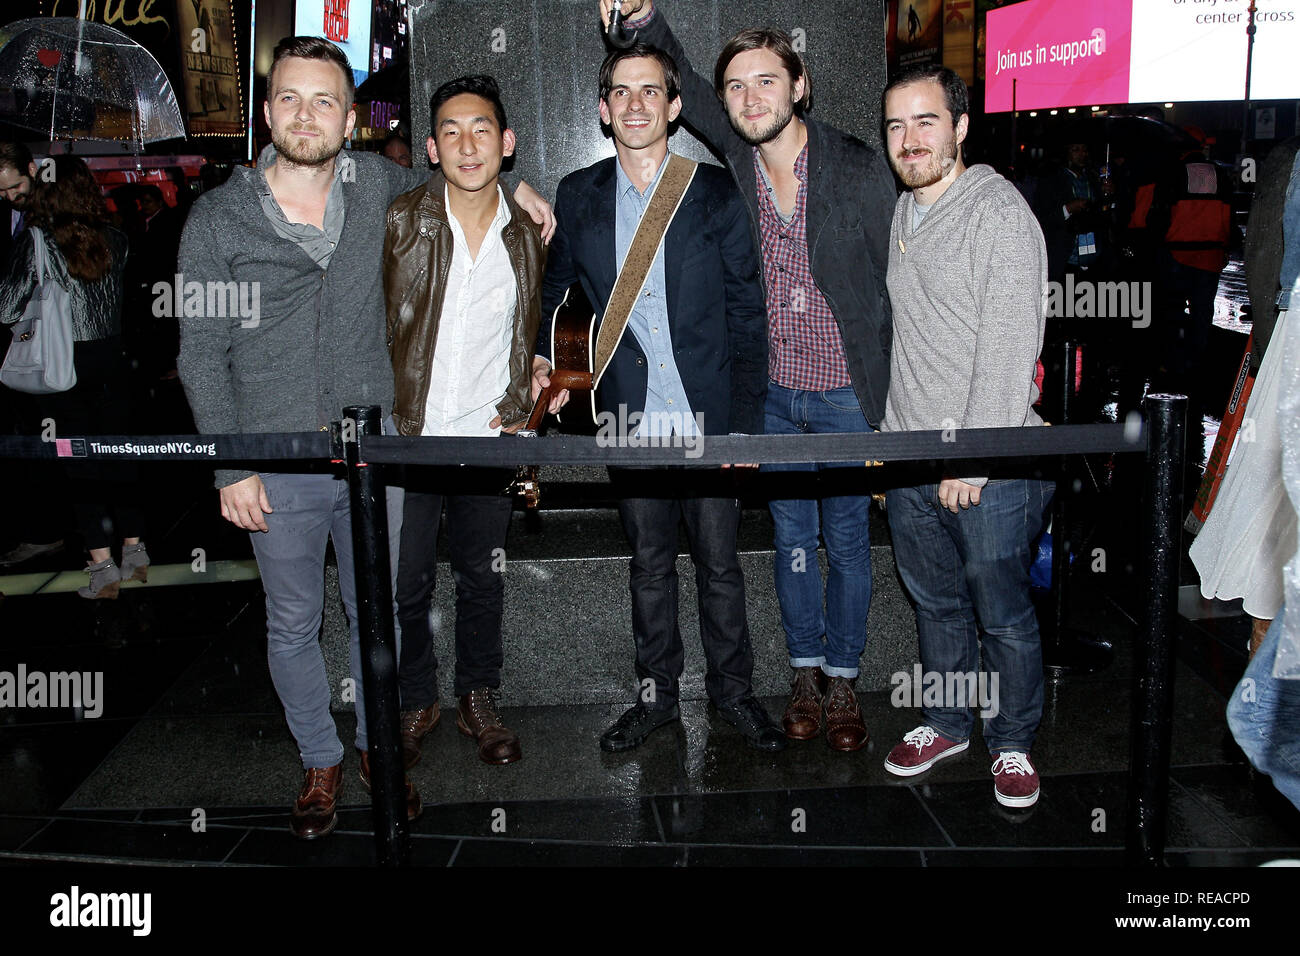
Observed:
{"x":803,"y":714}
{"x":476,"y":716}
{"x":313,"y":812}
{"x":845,"y":730}
{"x":415,"y":725}
{"x":414,"y":805}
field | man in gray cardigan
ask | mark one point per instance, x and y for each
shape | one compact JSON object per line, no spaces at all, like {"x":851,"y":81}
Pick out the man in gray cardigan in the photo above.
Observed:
{"x":297,"y":333}
{"x":968,"y":282}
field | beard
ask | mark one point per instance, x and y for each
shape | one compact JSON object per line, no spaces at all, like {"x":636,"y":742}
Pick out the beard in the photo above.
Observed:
{"x":764,"y":134}
{"x":304,"y":152}
{"x":940,"y":164}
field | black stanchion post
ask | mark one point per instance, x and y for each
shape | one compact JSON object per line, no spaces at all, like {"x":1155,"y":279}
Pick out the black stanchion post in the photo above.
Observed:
{"x":1153,"y":702}
{"x":378,"y":641}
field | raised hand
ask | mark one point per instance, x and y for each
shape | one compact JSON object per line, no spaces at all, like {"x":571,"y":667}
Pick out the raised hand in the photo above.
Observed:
{"x":632,"y":10}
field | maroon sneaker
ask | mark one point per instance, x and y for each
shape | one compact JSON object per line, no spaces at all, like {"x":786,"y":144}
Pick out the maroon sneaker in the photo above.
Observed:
{"x":1015,"y":781}
{"x":920,"y":750}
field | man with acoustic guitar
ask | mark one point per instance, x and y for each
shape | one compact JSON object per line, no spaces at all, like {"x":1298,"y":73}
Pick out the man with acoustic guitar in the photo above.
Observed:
{"x":462,"y":277}
{"x":820,"y":202}
{"x":661,"y":248}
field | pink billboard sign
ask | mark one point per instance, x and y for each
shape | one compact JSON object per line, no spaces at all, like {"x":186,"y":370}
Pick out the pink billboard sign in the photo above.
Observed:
{"x":1058,"y":53}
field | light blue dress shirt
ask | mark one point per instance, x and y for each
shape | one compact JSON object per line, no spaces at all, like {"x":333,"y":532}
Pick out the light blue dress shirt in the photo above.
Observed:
{"x":667,"y":410}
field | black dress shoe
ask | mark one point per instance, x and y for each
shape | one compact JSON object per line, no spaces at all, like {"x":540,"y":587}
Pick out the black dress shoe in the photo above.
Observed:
{"x":755,"y":725}
{"x":635,"y":726}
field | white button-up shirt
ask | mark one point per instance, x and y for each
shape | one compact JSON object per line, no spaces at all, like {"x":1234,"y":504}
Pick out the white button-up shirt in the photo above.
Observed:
{"x":471,"y":357}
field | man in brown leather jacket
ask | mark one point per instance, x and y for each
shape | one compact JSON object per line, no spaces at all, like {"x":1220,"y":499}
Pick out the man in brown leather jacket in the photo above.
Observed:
{"x":462,"y":278}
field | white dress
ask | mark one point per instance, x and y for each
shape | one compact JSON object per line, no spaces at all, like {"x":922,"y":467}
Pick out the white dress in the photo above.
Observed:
{"x":1251,"y":532}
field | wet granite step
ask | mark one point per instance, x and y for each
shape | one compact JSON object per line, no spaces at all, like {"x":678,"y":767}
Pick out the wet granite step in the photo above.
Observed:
{"x":567,"y":624}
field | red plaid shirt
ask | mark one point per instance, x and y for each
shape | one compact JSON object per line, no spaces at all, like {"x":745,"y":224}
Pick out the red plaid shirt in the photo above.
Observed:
{"x":805,"y":350}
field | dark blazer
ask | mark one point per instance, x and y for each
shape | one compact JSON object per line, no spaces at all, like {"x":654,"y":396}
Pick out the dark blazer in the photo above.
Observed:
{"x":851,"y":199}
{"x":716,"y":315}
{"x":1264,"y":242}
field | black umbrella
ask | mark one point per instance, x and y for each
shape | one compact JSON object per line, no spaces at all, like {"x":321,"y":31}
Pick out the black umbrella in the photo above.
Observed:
{"x":1127,"y":135}
{"x":392,"y":84}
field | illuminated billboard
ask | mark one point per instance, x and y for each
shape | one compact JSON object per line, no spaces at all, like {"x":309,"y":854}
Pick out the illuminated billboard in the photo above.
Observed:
{"x":1081,"y":52}
{"x":345,"y":22}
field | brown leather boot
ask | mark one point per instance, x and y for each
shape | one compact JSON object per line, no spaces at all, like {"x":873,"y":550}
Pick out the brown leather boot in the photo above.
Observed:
{"x":415,"y":724}
{"x":313,"y":812}
{"x":1258,"y":628}
{"x":476,"y":716}
{"x":803,"y":714}
{"x":844,"y":727}
{"x":414,"y":806}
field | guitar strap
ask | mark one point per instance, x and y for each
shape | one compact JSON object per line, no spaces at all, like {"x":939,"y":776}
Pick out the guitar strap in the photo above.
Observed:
{"x":641,"y":255}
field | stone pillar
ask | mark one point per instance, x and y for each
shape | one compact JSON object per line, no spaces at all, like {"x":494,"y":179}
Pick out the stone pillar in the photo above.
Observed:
{"x":546,"y":55}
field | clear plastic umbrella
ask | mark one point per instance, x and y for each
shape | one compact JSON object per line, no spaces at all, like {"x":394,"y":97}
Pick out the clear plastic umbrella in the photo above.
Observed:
{"x":74,"y":79}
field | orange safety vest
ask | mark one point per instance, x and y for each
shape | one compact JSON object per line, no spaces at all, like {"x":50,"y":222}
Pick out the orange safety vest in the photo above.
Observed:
{"x":1200,"y":221}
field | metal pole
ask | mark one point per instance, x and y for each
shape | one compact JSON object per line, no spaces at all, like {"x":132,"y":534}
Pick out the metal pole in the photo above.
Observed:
{"x":1015,"y":155}
{"x":1061,"y":544}
{"x":1250,"y":53}
{"x":378,"y":641}
{"x":1153,"y":702}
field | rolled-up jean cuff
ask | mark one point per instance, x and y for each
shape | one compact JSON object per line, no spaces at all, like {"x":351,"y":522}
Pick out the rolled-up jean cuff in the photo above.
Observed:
{"x":322,"y":760}
{"x":849,"y":672}
{"x":807,"y":661}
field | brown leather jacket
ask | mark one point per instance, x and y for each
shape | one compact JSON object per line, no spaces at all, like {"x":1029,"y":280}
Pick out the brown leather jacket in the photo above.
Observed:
{"x":418,"y":247}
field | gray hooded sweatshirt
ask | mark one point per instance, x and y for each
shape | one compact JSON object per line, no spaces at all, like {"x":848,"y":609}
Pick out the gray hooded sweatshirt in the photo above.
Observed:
{"x":969,"y":293}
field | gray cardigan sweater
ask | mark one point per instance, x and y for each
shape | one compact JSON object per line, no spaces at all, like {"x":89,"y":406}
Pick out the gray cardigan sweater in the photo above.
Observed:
{"x":969,"y":290}
{"x":317,"y":340}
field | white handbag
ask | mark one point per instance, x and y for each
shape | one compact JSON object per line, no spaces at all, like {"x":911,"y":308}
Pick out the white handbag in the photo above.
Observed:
{"x":39,"y":360}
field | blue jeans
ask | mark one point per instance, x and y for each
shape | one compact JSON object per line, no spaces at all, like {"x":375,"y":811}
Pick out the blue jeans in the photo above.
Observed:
{"x":832,"y":637}
{"x":968,"y":576}
{"x":1264,"y":717}
{"x":306,"y":511}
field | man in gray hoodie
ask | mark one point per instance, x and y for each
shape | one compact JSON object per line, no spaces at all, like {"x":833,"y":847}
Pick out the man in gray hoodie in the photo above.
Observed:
{"x":968,"y":283}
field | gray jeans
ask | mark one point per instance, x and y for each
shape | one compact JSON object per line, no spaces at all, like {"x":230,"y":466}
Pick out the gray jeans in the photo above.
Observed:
{"x":306,"y":510}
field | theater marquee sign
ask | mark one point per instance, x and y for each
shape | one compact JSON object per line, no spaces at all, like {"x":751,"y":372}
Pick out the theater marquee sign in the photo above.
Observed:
{"x":213,"y":94}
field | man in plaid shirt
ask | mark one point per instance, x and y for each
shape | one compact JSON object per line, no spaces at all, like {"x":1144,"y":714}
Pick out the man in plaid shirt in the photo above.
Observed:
{"x":820,"y":202}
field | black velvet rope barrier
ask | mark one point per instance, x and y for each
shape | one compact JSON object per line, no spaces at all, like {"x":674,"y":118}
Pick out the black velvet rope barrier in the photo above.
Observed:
{"x":268,"y":446}
{"x":970,"y":443}
{"x":355,"y":442}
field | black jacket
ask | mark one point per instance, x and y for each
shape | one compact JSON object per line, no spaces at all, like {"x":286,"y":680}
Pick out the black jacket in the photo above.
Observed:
{"x":1062,"y":235}
{"x":851,"y":199}
{"x":1264,"y":242}
{"x":6,"y":240}
{"x":96,"y":306}
{"x":715,"y":302}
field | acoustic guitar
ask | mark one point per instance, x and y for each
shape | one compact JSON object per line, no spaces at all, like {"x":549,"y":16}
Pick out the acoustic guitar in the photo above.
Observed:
{"x":572,"y":354}
{"x":572,"y":344}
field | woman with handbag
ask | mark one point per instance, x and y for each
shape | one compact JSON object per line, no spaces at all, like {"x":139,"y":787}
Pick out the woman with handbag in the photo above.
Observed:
{"x":64,"y":282}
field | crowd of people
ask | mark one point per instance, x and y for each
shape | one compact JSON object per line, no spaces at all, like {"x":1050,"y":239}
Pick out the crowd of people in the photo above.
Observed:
{"x":66,"y":223}
{"x":1165,"y":225}
{"x":797,"y":290}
